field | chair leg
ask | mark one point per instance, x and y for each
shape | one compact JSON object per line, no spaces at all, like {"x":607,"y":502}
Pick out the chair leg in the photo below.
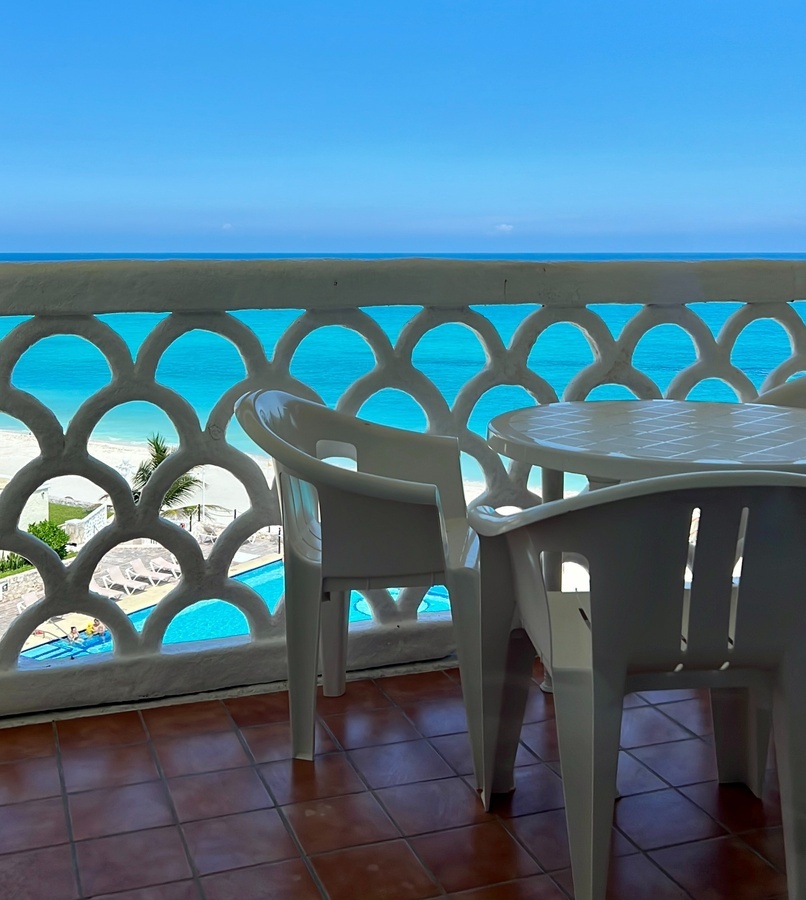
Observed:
{"x":588,"y":715}
{"x":333,"y":642}
{"x":303,"y":604}
{"x":789,"y":723}
{"x":464,"y":591}
{"x":517,"y":679}
{"x":505,"y":667}
{"x":742,"y":724}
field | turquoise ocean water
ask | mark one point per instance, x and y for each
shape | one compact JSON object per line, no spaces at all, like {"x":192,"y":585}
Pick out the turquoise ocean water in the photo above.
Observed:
{"x":63,"y":371}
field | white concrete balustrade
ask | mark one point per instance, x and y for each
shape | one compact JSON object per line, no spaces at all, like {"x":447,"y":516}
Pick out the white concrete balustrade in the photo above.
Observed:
{"x":67,"y":298}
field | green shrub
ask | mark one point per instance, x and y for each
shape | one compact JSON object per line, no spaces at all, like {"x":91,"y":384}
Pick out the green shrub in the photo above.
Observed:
{"x":51,"y":535}
{"x":10,"y":562}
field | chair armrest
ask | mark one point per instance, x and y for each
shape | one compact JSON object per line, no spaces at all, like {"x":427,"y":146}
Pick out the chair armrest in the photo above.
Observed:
{"x":489,"y":523}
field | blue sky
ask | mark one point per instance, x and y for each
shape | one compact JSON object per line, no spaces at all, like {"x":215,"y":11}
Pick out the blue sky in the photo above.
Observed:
{"x":416,"y":126}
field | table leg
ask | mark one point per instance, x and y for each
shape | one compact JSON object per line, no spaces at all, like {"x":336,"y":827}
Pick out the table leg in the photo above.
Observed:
{"x":552,"y":561}
{"x":553,"y":483}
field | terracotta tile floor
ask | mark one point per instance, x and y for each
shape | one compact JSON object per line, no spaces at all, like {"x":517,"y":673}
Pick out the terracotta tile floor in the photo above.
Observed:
{"x":201,"y":800}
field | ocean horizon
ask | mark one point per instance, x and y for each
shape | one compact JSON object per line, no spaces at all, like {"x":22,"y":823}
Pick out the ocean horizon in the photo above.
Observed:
{"x":48,"y":256}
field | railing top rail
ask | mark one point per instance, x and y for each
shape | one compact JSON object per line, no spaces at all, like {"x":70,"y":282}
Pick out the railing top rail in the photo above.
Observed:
{"x":58,"y":288}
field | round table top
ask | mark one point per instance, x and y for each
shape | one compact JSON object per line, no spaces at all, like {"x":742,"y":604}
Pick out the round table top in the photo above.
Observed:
{"x":628,"y":439}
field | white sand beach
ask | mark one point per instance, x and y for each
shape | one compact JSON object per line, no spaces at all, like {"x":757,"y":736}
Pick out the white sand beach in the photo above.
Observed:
{"x":221,"y":489}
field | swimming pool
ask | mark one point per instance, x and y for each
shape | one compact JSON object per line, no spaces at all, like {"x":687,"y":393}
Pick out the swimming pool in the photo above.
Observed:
{"x":215,"y":618}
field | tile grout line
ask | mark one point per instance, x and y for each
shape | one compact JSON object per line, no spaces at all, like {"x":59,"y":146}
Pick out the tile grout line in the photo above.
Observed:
{"x":196,"y":875}
{"x":373,"y":791}
{"x":407,"y":838}
{"x":493,"y":816}
{"x":66,"y":804}
{"x":255,"y":766}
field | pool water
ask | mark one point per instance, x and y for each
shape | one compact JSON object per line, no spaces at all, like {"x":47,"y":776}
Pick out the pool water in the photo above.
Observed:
{"x":216,"y":618}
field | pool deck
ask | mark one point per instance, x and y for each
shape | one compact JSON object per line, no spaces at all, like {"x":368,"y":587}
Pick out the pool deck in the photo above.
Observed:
{"x":260,"y":552}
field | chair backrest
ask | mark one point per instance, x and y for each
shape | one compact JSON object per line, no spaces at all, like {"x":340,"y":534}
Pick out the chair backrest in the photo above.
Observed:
{"x":386,"y":518}
{"x":660,"y":601}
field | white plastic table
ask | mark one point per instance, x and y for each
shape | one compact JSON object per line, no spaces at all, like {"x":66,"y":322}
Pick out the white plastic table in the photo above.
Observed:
{"x":624,"y":440}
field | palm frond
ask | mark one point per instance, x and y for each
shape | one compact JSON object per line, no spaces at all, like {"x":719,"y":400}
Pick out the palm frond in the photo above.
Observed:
{"x":158,"y":452}
{"x":144,"y":471}
{"x":182,"y":489}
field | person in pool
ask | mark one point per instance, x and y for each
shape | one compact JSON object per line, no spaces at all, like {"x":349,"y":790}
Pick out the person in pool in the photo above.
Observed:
{"x":73,"y":636}
{"x":98,"y":627}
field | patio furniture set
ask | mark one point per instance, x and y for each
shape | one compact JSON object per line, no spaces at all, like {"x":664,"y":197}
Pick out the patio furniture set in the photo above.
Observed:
{"x":692,"y":532}
{"x":136,"y":577}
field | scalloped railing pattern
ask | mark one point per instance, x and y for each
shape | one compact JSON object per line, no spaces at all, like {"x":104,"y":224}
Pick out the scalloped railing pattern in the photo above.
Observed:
{"x":140,"y":666}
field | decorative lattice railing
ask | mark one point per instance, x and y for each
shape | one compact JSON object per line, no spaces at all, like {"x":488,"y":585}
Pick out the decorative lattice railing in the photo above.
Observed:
{"x":67,"y":299}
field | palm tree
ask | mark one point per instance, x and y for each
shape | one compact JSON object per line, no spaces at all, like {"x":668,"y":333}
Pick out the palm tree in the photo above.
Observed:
{"x":181,"y":489}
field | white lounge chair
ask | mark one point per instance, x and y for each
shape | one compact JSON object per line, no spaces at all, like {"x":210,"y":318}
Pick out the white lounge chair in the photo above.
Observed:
{"x":104,"y":591}
{"x":138,"y":568}
{"x":115,"y":576}
{"x":258,"y":535}
{"x":205,"y":532}
{"x":159,"y":563}
{"x":27,"y":600}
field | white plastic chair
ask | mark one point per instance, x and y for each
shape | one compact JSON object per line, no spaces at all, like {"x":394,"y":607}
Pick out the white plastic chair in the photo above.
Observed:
{"x":399,"y":520}
{"x":645,"y":627}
